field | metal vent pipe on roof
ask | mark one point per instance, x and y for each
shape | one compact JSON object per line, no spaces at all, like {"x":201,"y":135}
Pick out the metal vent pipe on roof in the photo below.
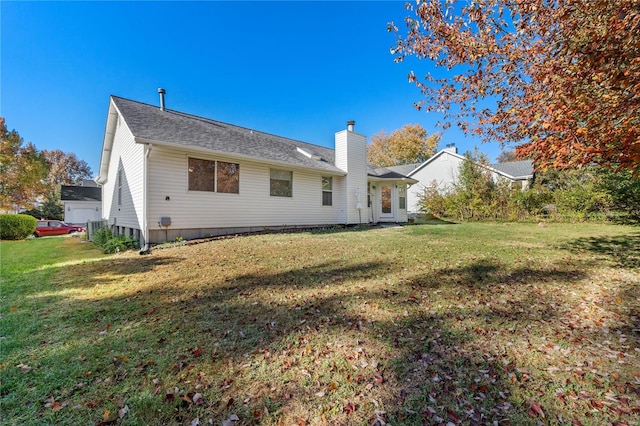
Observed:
{"x":162,"y":92}
{"x":350,"y":125}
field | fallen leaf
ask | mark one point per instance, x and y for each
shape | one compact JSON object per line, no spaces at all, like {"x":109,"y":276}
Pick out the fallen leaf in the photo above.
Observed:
{"x":106,"y":414}
{"x":535,"y":410}
{"x":453,"y":416}
{"x":23,"y":368}
{"x":231,"y":420}
{"x":124,"y":410}
{"x":197,"y":399}
{"x":195,"y":422}
{"x":349,"y":408}
{"x":378,"y":378}
{"x":257,"y":414}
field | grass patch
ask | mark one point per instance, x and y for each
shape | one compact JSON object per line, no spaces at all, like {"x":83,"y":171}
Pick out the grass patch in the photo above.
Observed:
{"x":424,"y":324}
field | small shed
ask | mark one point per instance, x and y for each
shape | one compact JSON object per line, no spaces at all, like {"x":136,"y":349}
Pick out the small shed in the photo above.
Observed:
{"x":82,"y":204}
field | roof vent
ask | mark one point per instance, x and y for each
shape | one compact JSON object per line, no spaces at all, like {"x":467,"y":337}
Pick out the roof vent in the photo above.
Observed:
{"x":350,"y":125}
{"x":162,"y":92}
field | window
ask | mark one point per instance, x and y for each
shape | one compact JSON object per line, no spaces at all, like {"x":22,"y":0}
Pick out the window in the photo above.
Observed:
{"x":368,"y":194}
{"x":201,"y":174}
{"x":281,"y":184}
{"x":119,"y":187}
{"x":214,"y":176}
{"x":228,"y":178}
{"x":402,"y":198}
{"x":327,"y":191}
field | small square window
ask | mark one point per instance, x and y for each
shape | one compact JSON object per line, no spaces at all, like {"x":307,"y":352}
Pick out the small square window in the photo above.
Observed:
{"x":281,"y":183}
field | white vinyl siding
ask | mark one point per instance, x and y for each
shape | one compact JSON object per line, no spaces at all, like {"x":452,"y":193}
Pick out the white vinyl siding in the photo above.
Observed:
{"x":442,"y":171}
{"x":122,"y":194}
{"x":252,"y":206}
{"x":351,"y":155}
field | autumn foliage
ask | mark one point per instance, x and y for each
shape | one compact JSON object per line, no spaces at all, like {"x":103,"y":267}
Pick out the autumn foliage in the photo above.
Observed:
{"x":410,"y":144}
{"x":561,"y":79}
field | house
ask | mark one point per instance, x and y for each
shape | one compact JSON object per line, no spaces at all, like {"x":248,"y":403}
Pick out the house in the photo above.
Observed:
{"x":442,"y":170}
{"x":82,"y":204}
{"x":167,"y":174}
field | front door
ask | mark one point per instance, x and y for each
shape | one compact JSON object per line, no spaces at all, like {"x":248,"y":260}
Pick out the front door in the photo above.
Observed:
{"x":386,"y":201}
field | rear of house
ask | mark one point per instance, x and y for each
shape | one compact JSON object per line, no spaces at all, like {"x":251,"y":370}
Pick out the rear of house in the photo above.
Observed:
{"x":166,"y":174}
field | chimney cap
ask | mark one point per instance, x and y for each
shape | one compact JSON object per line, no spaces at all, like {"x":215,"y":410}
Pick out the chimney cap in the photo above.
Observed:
{"x":161,"y":90}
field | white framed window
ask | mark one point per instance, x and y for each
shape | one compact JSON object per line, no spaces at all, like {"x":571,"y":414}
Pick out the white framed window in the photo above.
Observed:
{"x":120,"y":179}
{"x":402,"y":197}
{"x":214,"y":176}
{"x":327,"y":191}
{"x":281,"y":183}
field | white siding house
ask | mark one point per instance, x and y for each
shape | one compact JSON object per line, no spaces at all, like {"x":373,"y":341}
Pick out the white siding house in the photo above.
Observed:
{"x":442,"y":170}
{"x":167,"y":174}
{"x":82,"y":204}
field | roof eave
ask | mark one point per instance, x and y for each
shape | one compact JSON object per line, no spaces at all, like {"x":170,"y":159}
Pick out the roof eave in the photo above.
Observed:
{"x":203,"y":150}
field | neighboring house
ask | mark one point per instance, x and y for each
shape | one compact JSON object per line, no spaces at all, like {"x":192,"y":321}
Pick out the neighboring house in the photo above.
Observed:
{"x":82,"y":204}
{"x":442,"y":170}
{"x":166,"y":174}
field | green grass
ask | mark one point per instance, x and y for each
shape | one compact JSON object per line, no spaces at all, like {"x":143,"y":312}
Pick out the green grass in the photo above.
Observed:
{"x":423,"y":324}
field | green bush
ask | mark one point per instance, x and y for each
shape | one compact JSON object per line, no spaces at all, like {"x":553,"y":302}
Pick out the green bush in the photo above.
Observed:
{"x":110,"y":243}
{"x":16,"y":226}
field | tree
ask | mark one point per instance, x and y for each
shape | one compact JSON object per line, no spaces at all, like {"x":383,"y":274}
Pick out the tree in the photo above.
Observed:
{"x":564,"y":75}
{"x":410,"y":144}
{"x":506,"y":156}
{"x":65,"y":169}
{"x":22,"y":170}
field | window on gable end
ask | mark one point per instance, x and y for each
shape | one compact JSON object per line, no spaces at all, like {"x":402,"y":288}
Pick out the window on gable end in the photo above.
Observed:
{"x":120,"y":179}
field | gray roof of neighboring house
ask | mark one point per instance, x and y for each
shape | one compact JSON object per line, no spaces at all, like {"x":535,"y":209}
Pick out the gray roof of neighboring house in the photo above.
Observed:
{"x":152,"y":124}
{"x":80,"y":193}
{"x":517,"y":169}
{"x":405,"y":169}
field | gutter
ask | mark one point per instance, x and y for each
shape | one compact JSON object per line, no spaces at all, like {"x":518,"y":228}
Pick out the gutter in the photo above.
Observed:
{"x":145,"y":197}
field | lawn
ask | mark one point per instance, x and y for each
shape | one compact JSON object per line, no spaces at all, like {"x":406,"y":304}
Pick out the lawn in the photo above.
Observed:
{"x":508,"y":324}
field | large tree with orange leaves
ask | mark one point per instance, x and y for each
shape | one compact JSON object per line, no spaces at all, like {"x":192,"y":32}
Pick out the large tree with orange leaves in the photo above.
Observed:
{"x":558,"y":78}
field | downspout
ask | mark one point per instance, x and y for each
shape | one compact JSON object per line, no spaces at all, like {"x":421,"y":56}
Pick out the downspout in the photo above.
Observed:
{"x":145,"y":199}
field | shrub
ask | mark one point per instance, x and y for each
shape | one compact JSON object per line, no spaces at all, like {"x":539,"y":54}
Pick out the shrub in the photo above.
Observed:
{"x":110,"y":243}
{"x":16,"y":226}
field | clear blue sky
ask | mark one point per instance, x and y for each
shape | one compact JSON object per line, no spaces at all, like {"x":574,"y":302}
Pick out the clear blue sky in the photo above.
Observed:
{"x":295,"y":69}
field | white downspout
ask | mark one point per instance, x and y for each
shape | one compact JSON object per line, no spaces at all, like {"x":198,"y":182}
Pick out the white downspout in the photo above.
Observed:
{"x":145,"y":199}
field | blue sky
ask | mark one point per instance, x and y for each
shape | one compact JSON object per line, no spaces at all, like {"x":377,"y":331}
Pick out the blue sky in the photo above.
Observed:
{"x":295,"y":69}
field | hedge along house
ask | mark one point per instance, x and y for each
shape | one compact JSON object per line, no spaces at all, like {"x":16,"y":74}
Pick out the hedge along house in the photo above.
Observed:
{"x":166,"y":174}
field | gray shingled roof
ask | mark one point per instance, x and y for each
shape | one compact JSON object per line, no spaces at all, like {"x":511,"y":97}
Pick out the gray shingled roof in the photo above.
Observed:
{"x":405,"y":169}
{"x":384,"y":173}
{"x":80,"y":193}
{"x":150,"y":123}
{"x":517,"y":169}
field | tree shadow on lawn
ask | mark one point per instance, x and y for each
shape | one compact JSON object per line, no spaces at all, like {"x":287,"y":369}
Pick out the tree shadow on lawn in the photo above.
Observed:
{"x":338,"y":341}
{"x":621,"y":250}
